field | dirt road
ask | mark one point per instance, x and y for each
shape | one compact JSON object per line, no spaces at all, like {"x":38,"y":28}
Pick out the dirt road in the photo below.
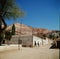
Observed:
{"x":42,"y":52}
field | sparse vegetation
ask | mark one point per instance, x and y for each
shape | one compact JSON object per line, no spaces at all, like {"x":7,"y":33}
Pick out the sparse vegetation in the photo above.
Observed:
{"x":1,"y":37}
{"x":8,"y":36}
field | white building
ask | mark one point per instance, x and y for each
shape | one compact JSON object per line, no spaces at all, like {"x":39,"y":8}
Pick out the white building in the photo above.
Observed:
{"x":39,"y":41}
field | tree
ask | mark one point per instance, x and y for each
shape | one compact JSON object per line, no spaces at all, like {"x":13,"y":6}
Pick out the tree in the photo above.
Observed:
{"x":1,"y":37}
{"x":51,"y":36}
{"x":8,"y":10}
{"x":13,"y":29}
{"x":54,"y":36}
{"x":8,"y":36}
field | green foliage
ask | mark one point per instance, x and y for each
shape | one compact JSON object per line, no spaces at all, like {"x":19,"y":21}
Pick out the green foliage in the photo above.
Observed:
{"x":13,"y":29}
{"x":8,"y":35}
{"x":9,"y":9}
{"x":43,"y":36}
{"x":1,"y":37}
{"x":53,"y":35}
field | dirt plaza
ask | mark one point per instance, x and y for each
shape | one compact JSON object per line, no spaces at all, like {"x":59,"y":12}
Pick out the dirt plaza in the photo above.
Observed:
{"x":42,"y":52}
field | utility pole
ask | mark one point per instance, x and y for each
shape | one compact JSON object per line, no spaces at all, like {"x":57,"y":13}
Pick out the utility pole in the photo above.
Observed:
{"x":19,"y":40}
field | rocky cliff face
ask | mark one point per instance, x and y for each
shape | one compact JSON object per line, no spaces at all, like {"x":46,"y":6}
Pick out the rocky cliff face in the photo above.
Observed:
{"x":27,"y":30}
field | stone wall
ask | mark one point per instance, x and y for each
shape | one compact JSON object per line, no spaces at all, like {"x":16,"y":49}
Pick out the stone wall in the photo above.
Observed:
{"x":26,"y":40}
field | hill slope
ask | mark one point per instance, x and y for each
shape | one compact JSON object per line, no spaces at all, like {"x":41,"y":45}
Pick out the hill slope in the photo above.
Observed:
{"x":27,"y":30}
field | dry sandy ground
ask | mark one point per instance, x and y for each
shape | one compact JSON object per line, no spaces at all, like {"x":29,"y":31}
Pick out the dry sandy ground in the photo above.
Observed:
{"x":42,"y":52}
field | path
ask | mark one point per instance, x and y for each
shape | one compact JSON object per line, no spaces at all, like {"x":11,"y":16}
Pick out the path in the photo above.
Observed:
{"x":42,"y":52}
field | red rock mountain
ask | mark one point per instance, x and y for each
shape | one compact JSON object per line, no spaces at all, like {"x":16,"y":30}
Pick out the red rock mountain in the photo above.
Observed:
{"x":27,"y":30}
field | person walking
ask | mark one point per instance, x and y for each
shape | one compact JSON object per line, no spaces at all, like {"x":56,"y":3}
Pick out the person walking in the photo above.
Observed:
{"x":19,"y":44}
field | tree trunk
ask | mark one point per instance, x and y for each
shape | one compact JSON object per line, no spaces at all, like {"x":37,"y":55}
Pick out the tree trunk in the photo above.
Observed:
{"x":0,"y":43}
{"x":2,"y":29}
{"x":5,"y":25}
{"x":1,"y":38}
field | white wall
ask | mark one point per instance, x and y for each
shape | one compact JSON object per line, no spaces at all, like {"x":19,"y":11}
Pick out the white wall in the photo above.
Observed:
{"x":38,"y":39}
{"x":45,"y":41}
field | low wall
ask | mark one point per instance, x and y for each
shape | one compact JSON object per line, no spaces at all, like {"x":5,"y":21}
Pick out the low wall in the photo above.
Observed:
{"x":8,"y":47}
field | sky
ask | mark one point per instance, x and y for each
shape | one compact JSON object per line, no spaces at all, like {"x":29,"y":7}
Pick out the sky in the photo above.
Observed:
{"x":39,"y":13}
